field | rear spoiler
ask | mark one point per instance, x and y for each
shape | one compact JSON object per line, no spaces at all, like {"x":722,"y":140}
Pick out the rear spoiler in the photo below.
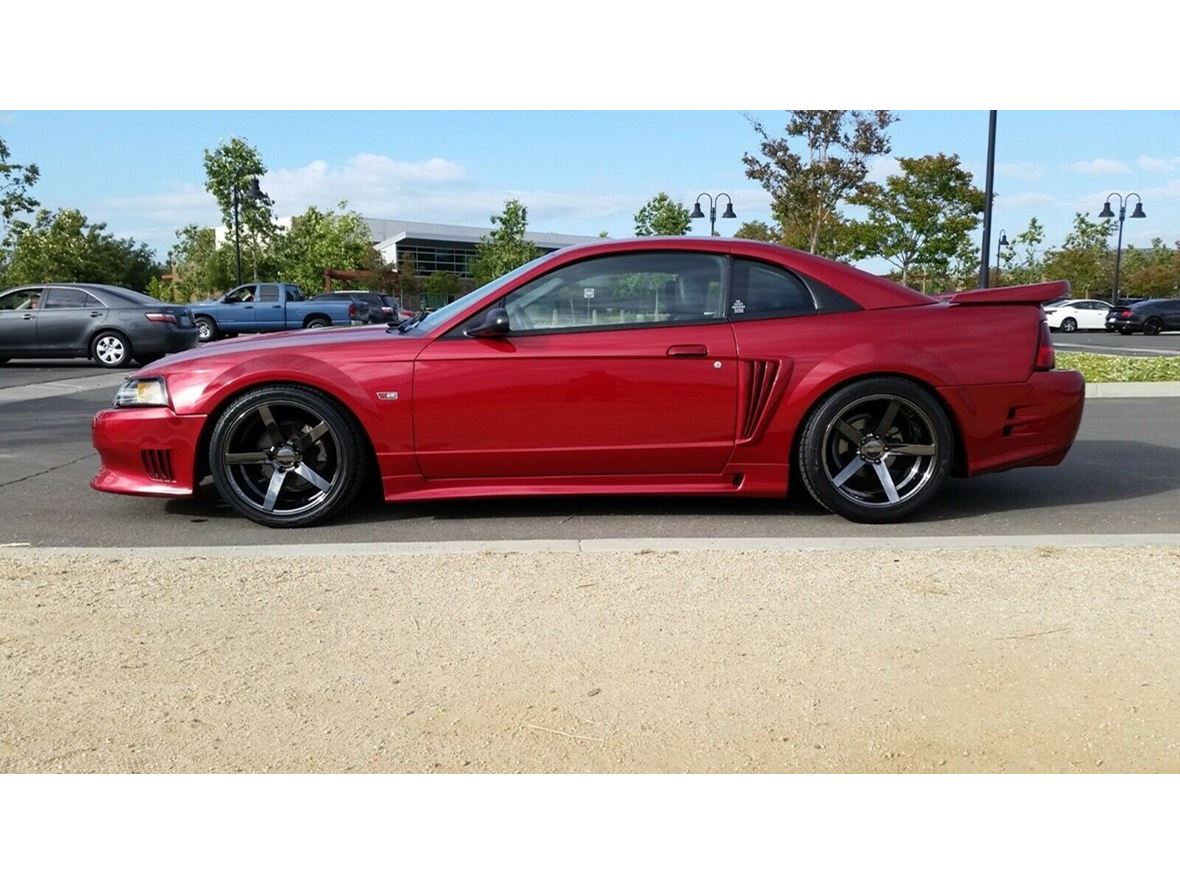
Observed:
{"x":1037,"y":293}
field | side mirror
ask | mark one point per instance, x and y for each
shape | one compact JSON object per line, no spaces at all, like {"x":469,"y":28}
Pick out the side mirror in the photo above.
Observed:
{"x":495,"y":325}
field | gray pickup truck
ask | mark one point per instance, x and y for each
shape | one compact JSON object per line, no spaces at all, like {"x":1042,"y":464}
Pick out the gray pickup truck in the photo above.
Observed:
{"x":271,"y":307}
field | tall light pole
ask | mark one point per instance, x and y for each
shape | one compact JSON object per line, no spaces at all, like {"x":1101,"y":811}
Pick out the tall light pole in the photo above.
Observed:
{"x":987,"y":199}
{"x":1003,"y":244}
{"x":1106,"y":213}
{"x":697,"y":213}
{"x":255,"y":195}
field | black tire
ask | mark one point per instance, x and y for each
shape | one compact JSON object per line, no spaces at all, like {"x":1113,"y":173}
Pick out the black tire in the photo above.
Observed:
{"x":1069,"y":324}
{"x":296,"y":434}
{"x":317,"y":323}
{"x":206,"y":329}
{"x":111,"y":350}
{"x":1153,"y":326}
{"x":867,"y":423}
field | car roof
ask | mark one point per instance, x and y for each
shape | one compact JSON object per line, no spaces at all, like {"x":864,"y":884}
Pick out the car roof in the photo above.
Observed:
{"x":867,"y":289}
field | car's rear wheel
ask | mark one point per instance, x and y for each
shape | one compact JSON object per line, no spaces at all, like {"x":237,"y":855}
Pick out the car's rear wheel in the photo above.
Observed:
{"x":876,"y":450}
{"x":206,"y":329}
{"x":1069,"y":324}
{"x":317,"y":323}
{"x":286,"y":456}
{"x":111,"y":350}
{"x":1153,"y":326}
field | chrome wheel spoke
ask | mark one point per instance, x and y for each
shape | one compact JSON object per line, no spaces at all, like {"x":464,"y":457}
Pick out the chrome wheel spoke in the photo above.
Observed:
{"x":272,"y":491}
{"x":305,"y":472}
{"x":886,"y":482}
{"x":272,"y":427}
{"x":311,"y":435}
{"x":888,"y":418}
{"x":849,"y":431}
{"x":912,"y":449}
{"x":849,"y":471}
{"x":245,"y":458}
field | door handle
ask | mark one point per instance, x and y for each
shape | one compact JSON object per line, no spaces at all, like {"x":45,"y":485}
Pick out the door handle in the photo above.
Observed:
{"x":28,"y":316}
{"x":688,"y":350}
{"x":96,"y":313}
{"x":249,"y":306}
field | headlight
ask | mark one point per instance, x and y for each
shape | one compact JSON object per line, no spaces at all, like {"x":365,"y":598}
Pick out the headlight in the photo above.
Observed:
{"x":142,"y":392}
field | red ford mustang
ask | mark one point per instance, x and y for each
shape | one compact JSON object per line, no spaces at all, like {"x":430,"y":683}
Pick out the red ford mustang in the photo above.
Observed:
{"x":652,"y":366}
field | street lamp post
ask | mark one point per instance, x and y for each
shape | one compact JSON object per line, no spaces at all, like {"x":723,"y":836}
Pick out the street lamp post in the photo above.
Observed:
{"x":255,"y":195}
{"x":728,"y":213}
{"x":1107,"y":213}
{"x":1000,"y":245}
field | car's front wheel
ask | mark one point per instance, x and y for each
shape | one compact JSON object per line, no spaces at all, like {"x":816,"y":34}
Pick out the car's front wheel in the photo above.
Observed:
{"x":286,"y":456}
{"x":1069,"y":324}
{"x":111,"y":350}
{"x":876,"y":450}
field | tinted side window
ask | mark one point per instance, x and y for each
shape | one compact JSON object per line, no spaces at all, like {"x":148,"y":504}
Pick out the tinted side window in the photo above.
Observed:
{"x":21,"y":299}
{"x":60,"y":298}
{"x":762,"y":290}
{"x":622,"y":290}
{"x":268,"y":292}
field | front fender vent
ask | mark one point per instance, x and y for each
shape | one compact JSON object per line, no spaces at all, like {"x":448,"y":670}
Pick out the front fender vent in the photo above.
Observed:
{"x":158,"y":464}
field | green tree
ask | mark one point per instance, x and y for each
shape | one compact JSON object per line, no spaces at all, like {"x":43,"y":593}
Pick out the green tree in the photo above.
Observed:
{"x":15,"y":182}
{"x":319,"y":241}
{"x":440,"y":286}
{"x":199,"y":268}
{"x":64,"y":246}
{"x":662,"y":216}
{"x":808,"y":185}
{"x":1084,"y":258}
{"x":922,"y":217}
{"x":759,"y":230}
{"x":1022,"y":263}
{"x":1153,"y":272}
{"x":230,"y":168}
{"x":506,"y":247}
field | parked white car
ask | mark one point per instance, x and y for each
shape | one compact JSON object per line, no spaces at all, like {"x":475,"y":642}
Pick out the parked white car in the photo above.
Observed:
{"x":1069,"y":316}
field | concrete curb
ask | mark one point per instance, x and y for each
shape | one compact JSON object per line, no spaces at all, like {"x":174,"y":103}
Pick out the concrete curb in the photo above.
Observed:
{"x":611,"y":545}
{"x":1115,"y":389}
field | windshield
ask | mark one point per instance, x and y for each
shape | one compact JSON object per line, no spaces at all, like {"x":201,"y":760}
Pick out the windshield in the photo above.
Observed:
{"x":444,"y":315}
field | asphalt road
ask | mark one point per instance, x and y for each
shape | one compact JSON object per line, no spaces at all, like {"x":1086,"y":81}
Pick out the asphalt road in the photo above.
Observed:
{"x":1122,"y":476}
{"x":1166,"y":344}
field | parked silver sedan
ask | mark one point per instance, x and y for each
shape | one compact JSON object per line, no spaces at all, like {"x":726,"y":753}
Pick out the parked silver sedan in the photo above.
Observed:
{"x":109,"y":324}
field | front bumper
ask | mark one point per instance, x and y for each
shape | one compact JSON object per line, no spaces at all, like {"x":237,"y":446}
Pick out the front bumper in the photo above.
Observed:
{"x":146,"y":451}
{"x":1018,"y":425}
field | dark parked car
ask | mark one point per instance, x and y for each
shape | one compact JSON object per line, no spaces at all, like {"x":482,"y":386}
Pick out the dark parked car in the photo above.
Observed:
{"x":109,"y":324}
{"x":1150,"y":317}
{"x":369,"y":306}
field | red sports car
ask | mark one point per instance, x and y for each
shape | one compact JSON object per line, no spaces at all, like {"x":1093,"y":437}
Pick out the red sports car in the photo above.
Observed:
{"x":651,"y":366}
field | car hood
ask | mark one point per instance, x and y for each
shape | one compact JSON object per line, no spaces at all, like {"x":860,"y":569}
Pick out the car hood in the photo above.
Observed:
{"x":309,"y":342}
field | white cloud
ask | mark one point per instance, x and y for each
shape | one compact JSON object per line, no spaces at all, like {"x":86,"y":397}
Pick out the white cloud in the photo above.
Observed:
{"x":1099,"y":166}
{"x":1023,"y":171}
{"x":1153,"y":164}
{"x":882,"y":167}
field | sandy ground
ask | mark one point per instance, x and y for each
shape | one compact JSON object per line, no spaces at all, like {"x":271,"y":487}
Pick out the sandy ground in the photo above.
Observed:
{"x":868,"y":661}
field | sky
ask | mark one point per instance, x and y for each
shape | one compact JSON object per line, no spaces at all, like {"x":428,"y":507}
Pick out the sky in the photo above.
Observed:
{"x":578,"y":172}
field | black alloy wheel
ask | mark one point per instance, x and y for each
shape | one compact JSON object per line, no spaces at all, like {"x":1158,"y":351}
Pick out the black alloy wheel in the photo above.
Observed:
{"x":286,"y":456}
{"x":876,"y":450}
{"x":111,"y":350}
{"x":1153,"y":326}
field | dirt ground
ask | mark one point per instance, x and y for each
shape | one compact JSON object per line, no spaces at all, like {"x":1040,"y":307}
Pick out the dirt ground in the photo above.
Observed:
{"x":869,"y":661}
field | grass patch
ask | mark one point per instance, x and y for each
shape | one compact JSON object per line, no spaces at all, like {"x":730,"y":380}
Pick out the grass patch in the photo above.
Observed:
{"x":1097,"y":368}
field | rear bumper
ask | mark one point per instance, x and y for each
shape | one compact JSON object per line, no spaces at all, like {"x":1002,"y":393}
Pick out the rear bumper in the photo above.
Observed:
{"x":1129,"y":325}
{"x":1018,"y":425}
{"x":163,"y":338}
{"x":146,"y":451}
